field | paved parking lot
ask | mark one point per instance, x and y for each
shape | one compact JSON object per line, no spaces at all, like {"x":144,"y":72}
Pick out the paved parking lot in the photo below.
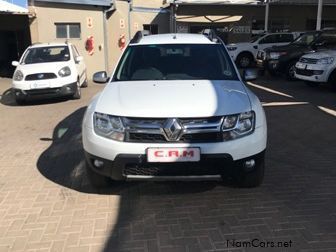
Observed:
{"x":46,"y":203}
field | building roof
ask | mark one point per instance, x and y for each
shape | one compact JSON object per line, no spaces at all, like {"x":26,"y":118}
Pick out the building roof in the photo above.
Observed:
{"x":179,"y":38}
{"x":105,"y":3}
{"x":10,"y":8}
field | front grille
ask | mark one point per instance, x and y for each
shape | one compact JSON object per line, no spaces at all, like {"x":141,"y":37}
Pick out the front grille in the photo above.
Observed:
{"x":308,"y":60}
{"x":208,"y":137}
{"x":177,"y":169}
{"x":170,"y":130}
{"x":41,"y":76}
{"x":43,"y":91}
{"x":304,"y":72}
{"x":145,"y":138}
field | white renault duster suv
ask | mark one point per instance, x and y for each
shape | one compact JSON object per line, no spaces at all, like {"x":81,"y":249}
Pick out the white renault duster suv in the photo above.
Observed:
{"x":49,"y":70}
{"x":318,"y":67}
{"x":175,"y":108}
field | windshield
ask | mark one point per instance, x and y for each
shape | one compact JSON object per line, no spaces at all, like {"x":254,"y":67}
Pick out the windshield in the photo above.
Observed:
{"x":46,"y":54}
{"x":175,"y":62}
{"x":306,"y":39}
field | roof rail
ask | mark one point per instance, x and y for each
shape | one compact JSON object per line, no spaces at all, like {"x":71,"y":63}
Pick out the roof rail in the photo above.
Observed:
{"x":36,"y":43}
{"x":139,"y":35}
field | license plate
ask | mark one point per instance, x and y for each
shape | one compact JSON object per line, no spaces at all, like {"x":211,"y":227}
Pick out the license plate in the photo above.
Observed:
{"x":37,"y":85}
{"x":169,"y":155}
{"x":300,"y":65}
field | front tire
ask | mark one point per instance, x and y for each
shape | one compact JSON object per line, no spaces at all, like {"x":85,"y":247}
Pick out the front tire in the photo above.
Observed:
{"x":253,"y":178}
{"x":20,"y":101}
{"x":290,"y":71}
{"x":95,"y":179}
{"x":77,"y":95}
{"x":244,"y":60}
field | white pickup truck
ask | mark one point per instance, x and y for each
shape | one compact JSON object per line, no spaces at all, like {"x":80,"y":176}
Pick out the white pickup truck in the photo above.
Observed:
{"x":245,"y":53}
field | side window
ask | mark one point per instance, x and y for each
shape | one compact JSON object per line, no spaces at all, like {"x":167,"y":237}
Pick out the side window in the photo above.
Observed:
{"x":328,"y":40}
{"x":268,"y":39}
{"x":285,"y":38}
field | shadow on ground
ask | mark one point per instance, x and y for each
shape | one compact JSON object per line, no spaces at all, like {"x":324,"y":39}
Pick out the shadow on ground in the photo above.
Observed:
{"x":296,"y":201}
{"x":63,"y":162}
{"x":8,"y":99}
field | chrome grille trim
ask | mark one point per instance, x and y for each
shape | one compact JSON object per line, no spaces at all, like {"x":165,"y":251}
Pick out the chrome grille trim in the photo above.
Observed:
{"x":189,"y":126}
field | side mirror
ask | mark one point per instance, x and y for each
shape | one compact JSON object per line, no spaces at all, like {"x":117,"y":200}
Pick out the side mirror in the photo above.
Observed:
{"x":15,"y":63}
{"x":79,"y":59}
{"x":250,"y":74}
{"x":100,"y":77}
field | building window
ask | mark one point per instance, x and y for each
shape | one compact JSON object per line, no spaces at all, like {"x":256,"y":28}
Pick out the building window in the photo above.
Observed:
{"x":153,"y":28}
{"x":68,"y":30}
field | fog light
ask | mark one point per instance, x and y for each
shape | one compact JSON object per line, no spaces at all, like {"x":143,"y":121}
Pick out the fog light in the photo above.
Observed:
{"x":68,"y":89}
{"x":98,"y":163}
{"x":250,"y":163}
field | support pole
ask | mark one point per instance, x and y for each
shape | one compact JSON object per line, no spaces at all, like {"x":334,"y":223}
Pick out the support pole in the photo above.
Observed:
{"x":267,"y":16}
{"x":319,"y":15}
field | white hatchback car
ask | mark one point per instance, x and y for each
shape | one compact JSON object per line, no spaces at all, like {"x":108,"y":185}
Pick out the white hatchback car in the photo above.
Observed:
{"x":175,"y":108}
{"x":49,"y":70}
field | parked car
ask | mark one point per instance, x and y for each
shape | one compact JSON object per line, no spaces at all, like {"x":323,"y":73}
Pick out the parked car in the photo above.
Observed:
{"x":317,"y":68}
{"x":244,"y":54}
{"x":282,"y":59}
{"x":175,"y":108}
{"x":49,"y":70}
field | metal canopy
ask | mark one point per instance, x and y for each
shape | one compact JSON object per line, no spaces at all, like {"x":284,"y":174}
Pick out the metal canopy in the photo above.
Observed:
{"x":207,"y":19}
{"x":9,"y":8}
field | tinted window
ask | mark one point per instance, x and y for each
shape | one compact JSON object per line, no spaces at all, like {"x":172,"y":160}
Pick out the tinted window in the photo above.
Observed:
{"x":268,"y":39}
{"x":306,"y":39}
{"x":175,"y":62}
{"x":285,"y":38}
{"x":327,"y":39}
{"x":46,"y":54}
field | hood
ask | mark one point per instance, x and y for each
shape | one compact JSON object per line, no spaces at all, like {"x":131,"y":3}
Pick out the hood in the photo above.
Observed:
{"x":187,"y":98}
{"x":240,"y":44}
{"x":321,"y":54}
{"x":50,"y":67}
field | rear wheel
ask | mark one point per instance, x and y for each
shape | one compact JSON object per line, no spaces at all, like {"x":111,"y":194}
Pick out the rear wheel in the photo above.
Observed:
{"x":95,"y":179}
{"x":244,"y":60}
{"x":77,"y":95}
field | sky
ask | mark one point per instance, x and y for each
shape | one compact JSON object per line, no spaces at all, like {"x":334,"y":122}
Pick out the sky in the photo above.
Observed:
{"x":22,"y":3}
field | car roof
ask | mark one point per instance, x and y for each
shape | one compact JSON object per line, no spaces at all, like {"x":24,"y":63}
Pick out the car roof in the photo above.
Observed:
{"x":174,"y":38}
{"x":48,"y":44}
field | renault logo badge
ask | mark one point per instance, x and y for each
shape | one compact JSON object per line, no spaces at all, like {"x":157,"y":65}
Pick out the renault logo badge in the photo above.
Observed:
{"x":172,"y":129}
{"x":40,"y":76}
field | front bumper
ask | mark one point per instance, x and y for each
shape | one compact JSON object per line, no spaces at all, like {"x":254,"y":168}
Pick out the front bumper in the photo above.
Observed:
{"x":136,"y":167}
{"x":312,"y":73}
{"x":65,"y":90}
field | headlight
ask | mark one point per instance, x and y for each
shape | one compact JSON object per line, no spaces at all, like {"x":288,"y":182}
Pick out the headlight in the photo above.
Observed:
{"x":232,"y":48}
{"x":276,"y":55}
{"x":326,"y":61}
{"x":109,"y":126}
{"x":65,"y":71}
{"x":18,"y":75}
{"x":235,"y":126}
